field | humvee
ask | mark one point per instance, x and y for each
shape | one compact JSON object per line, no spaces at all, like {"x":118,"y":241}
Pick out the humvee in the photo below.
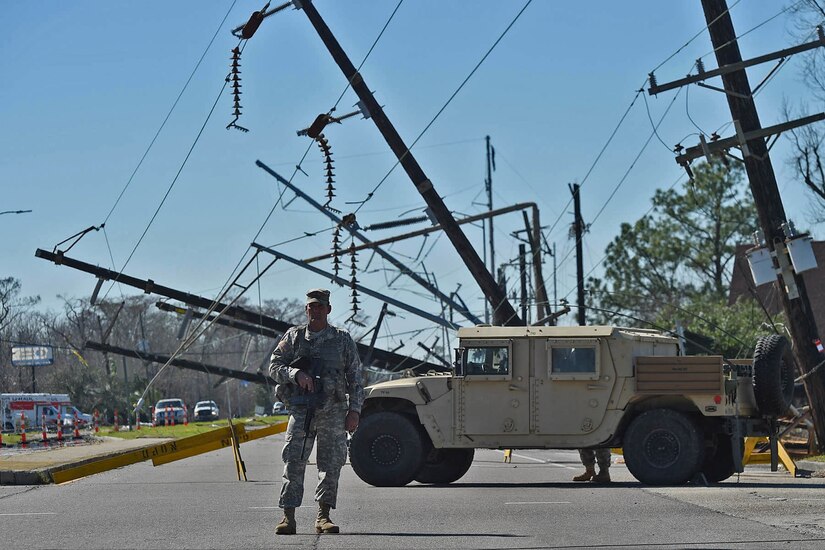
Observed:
{"x":569,"y":388}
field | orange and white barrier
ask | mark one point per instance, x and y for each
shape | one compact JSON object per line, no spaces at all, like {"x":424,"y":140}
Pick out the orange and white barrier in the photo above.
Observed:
{"x":23,"y":428}
{"x":60,"y":430}
{"x":168,"y":412}
{"x":74,"y":423}
{"x":137,"y":419}
{"x":43,"y":425}
{"x":116,"y":427}
{"x":185,"y":416}
{"x":94,"y":421}
{"x":152,"y":414}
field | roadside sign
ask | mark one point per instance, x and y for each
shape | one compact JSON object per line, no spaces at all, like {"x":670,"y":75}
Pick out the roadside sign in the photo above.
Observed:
{"x":32,"y":356}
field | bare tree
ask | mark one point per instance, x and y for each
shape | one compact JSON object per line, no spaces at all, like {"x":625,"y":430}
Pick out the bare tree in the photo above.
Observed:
{"x":807,"y":141}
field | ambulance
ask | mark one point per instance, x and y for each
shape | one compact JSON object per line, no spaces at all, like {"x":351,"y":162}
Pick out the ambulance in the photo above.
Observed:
{"x":33,"y":409}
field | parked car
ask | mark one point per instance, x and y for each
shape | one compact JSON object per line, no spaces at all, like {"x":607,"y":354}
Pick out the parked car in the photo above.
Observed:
{"x":206,"y":411}
{"x":173,"y":409}
{"x":279,"y":408}
{"x":83,"y":419}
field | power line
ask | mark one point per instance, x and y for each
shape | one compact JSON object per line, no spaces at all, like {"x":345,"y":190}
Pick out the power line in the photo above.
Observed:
{"x":171,"y":186}
{"x":169,"y":114}
{"x":694,"y":37}
{"x":601,"y":152}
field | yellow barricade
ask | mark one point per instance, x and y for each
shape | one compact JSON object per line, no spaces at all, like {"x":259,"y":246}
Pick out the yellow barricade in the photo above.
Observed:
{"x":226,"y":441}
{"x":750,"y":457}
{"x":181,"y":448}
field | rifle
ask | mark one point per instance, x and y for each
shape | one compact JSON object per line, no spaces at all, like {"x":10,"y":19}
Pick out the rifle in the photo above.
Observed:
{"x":313,"y":399}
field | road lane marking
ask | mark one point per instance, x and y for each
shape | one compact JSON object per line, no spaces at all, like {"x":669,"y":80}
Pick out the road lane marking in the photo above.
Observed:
{"x":541,"y":461}
{"x":547,"y":502}
{"x":30,"y":514}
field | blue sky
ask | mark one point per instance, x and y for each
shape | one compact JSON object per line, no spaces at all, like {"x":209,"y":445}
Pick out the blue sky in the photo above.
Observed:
{"x":87,"y":84}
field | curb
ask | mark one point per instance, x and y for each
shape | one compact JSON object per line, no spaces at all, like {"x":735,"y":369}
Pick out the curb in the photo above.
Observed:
{"x":43,"y":475}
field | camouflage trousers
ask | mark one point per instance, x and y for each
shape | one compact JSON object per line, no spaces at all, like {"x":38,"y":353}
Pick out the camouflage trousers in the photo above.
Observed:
{"x":590,"y":456}
{"x":328,"y":429}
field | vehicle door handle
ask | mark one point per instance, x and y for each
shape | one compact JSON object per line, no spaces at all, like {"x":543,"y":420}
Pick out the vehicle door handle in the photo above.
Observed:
{"x":513,"y":387}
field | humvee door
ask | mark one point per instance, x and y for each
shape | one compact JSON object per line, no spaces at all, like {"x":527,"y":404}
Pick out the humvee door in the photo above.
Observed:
{"x":492,"y":391}
{"x":573,"y":384}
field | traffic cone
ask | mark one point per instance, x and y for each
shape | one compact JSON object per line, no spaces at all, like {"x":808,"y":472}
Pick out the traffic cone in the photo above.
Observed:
{"x":23,"y":428}
{"x":43,"y":425}
{"x":76,"y":430}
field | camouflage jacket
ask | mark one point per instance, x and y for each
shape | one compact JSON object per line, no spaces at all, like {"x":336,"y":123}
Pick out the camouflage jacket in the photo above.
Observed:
{"x":330,"y":342}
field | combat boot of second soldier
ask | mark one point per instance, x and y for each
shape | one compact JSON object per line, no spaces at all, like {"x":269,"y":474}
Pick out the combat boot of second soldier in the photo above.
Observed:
{"x":602,"y":477}
{"x":288,"y":526}
{"x":323,"y":524}
{"x":588,"y":474}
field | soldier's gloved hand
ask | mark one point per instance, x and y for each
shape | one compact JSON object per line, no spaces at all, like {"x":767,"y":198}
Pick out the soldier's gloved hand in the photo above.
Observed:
{"x":305,"y":381}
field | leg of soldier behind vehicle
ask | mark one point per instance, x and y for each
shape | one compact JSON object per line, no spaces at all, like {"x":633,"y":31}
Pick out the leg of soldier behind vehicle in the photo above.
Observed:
{"x":603,"y":459}
{"x":295,"y":463}
{"x":588,"y":458}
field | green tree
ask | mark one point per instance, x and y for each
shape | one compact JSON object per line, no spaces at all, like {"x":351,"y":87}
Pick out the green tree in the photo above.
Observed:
{"x":679,"y":254}
{"x":726,"y":329}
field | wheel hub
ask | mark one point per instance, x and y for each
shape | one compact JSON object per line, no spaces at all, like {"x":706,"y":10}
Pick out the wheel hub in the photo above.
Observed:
{"x":385,"y":450}
{"x":661,"y":448}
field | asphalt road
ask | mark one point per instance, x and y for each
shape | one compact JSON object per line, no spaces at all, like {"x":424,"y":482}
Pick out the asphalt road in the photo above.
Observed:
{"x":530,"y":503}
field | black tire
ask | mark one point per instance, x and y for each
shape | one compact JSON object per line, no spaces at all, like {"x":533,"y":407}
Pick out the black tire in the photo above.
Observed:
{"x":443,"y":466}
{"x":719,"y":462}
{"x":386,"y":450}
{"x":663,"y":447}
{"x":773,"y":375}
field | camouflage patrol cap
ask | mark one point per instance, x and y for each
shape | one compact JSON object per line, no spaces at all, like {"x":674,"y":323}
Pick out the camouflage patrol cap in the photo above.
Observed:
{"x":318,"y":295}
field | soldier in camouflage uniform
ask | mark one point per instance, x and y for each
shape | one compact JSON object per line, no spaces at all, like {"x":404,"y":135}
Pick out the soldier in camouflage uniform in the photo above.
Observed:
{"x":340,"y":386}
{"x":589,"y":458}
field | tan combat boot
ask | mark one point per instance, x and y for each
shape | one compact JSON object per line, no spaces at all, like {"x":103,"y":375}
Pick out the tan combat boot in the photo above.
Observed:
{"x":602,"y":477}
{"x":588,"y":474}
{"x":323,"y":524}
{"x":287,"y":525}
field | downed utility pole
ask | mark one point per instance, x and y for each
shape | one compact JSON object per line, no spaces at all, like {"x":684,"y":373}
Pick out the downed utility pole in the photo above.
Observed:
{"x":390,"y":360}
{"x":183,"y":363}
{"x":542,"y":301}
{"x":222,"y":320}
{"x":343,"y":282}
{"x":503,"y":310}
{"x":768,"y":202}
{"x":360,"y":236}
